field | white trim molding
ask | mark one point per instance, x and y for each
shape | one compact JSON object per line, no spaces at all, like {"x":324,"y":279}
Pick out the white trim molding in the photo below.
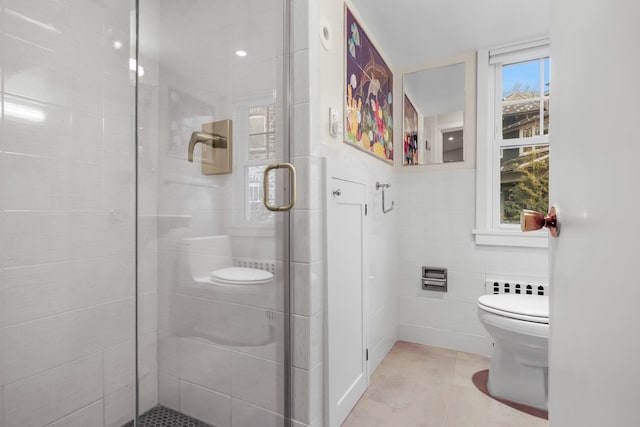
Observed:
{"x":487,"y":231}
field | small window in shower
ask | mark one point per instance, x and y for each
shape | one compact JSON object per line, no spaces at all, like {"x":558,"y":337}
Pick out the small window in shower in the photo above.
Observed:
{"x":261,"y":150}
{"x":254,"y":209}
{"x":262,"y":132}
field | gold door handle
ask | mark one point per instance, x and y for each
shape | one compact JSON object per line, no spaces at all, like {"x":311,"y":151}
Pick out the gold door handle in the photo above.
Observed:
{"x":292,"y":188}
{"x":532,"y":220}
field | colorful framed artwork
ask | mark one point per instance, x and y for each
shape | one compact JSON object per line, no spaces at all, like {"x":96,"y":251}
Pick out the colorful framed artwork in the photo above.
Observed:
{"x":410,"y":133}
{"x":368,"y":121}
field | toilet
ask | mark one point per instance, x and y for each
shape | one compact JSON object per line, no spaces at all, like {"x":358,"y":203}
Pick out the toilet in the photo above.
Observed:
{"x":208,"y":272}
{"x":519,"y":326}
{"x":240,"y":280}
{"x":208,"y":265}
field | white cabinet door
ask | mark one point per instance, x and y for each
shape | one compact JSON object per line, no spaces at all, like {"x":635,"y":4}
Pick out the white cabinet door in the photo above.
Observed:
{"x":346,"y":345}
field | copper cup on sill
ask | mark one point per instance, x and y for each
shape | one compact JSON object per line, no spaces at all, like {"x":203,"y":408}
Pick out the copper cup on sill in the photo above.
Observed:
{"x":532,"y":220}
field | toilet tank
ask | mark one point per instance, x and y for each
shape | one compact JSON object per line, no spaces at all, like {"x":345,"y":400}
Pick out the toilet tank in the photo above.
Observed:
{"x":201,"y":255}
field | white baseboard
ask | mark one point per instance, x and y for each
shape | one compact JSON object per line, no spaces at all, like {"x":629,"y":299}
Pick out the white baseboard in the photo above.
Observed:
{"x":477,"y":344}
{"x":378,"y":353}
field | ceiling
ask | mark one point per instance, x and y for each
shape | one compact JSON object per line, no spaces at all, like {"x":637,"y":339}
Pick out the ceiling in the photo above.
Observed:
{"x":411,"y":32}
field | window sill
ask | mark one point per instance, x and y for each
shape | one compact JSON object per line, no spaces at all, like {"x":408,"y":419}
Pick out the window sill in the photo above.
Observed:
{"x":536,"y":239}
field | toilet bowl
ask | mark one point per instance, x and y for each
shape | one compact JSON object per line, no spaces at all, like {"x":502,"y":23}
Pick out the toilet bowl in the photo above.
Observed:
{"x":519,"y":326}
{"x":240,"y":280}
{"x":208,"y":265}
{"x":208,"y":272}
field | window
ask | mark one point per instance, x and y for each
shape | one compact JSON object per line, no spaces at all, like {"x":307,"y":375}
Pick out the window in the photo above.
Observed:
{"x":261,"y":151}
{"x":513,"y":160}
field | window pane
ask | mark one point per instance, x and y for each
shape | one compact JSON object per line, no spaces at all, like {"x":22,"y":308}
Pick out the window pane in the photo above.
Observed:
{"x":262,"y":128}
{"x":521,"y":119}
{"x":546,"y":116}
{"x":546,"y":76}
{"x":524,"y":181}
{"x":257,"y":124}
{"x":262,"y":119}
{"x":258,"y":146}
{"x":255,"y":210}
{"x":521,"y":100}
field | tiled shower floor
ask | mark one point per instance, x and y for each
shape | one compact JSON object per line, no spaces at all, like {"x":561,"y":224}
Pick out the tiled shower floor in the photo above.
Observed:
{"x":165,"y":417}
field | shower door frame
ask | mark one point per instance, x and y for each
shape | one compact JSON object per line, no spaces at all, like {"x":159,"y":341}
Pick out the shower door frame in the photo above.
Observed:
{"x":285,"y":234}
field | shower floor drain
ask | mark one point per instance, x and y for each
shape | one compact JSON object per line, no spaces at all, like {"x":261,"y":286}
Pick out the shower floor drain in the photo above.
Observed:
{"x":165,"y":417}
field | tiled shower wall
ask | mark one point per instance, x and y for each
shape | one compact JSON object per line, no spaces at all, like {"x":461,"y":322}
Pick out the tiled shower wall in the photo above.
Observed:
{"x":67,"y":216}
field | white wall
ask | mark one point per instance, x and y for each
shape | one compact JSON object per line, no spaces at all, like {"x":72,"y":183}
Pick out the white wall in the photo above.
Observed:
{"x":328,"y":91}
{"x":595,"y":321}
{"x":436,"y":213}
{"x":67,"y":216}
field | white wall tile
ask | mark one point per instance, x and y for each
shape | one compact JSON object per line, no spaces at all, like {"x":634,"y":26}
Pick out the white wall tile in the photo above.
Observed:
{"x":148,"y":354}
{"x":195,"y":317}
{"x":37,"y":291}
{"x":43,"y":344}
{"x":450,"y":315}
{"x":306,"y":232}
{"x":147,"y":313}
{"x":67,"y":222}
{"x":307,"y":283}
{"x":38,"y":400}
{"x":38,"y":73}
{"x":205,"y":365}
{"x":309,"y":183}
{"x":149,"y":392}
{"x":258,"y":332}
{"x":244,"y":414}
{"x":307,"y":340}
{"x":301,"y":83}
{"x":443,"y":238}
{"x":307,"y":400}
{"x":301,"y":140}
{"x":205,"y":405}
{"x":469,"y":343}
{"x":35,"y":237}
{"x":300,"y":24}
{"x":169,"y":391}
{"x":91,"y":415}
{"x":119,"y":407}
{"x":169,"y":353}
{"x":119,"y":367}
{"x":49,"y":135}
{"x":258,"y":381}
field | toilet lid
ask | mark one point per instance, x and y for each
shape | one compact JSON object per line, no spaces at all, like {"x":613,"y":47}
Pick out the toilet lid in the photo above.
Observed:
{"x":241,"y":275}
{"x":532,"y":308}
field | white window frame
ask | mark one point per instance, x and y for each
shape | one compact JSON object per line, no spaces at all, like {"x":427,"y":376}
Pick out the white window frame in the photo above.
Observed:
{"x":489,"y":230}
{"x":240,"y":225}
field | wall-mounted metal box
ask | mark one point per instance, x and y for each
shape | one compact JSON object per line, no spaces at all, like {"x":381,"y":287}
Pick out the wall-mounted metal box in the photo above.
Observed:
{"x":434,"y":279}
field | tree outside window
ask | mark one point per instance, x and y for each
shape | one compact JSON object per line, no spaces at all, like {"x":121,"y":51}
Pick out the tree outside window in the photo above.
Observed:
{"x":524,"y":151}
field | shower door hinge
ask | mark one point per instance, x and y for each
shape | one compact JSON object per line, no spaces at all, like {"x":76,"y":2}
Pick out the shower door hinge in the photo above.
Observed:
{"x":365,"y":209}
{"x":367,"y":354}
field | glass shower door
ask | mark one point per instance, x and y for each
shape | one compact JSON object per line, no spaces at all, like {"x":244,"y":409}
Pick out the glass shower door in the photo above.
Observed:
{"x":212,"y":259}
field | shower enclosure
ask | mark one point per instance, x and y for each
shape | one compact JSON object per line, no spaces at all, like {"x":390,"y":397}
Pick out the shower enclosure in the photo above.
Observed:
{"x":135,"y":283}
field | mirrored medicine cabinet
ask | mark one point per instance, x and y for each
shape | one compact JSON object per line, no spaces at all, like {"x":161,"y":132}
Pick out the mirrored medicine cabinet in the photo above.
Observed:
{"x":438,"y":114}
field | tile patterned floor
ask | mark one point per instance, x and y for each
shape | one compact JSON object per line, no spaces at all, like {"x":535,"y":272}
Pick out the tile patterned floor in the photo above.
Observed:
{"x":165,"y":417}
{"x":422,"y":386}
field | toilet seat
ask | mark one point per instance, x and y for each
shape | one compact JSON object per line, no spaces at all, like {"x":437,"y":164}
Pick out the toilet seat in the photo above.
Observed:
{"x":241,"y":276}
{"x":529,"y":308}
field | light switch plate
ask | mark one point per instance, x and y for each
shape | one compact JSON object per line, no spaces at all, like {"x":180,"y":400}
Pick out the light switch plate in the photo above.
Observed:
{"x":335,"y":122}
